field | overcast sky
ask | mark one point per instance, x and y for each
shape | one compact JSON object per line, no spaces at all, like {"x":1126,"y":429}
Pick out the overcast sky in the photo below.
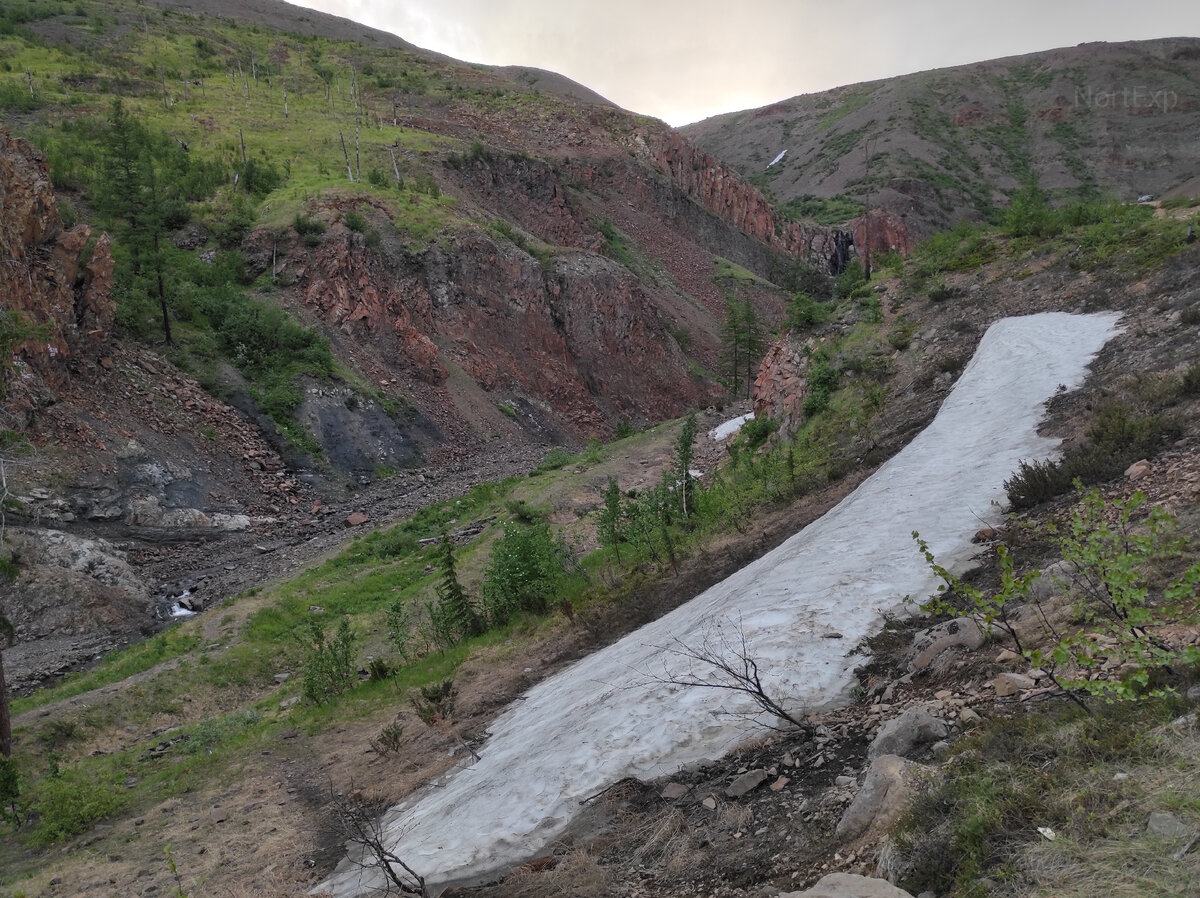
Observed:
{"x":684,"y":61}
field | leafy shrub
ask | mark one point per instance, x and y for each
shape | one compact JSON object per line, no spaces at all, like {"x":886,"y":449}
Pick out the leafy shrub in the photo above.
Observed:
{"x":1030,"y":215}
{"x":525,"y":513}
{"x":328,"y":662}
{"x":523,"y":573}
{"x":68,"y":802}
{"x":804,"y":311}
{"x":390,"y":739}
{"x":849,"y":280}
{"x":378,"y":670}
{"x":1115,"y":440}
{"x":354,"y":221}
{"x":1190,"y":383}
{"x":1111,"y":554}
{"x":259,"y":177}
{"x":940,"y":292}
{"x":555,"y":459}
{"x":901,"y":333}
{"x":309,"y":229}
{"x":10,"y":792}
{"x":434,"y":702}
{"x":822,"y":381}
{"x":756,"y":431}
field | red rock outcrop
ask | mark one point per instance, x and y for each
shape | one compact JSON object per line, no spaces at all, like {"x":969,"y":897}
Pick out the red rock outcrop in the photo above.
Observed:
{"x":580,"y":338}
{"x":722,"y":190}
{"x":42,"y":275}
{"x":782,"y":384}
{"x":888,"y":232}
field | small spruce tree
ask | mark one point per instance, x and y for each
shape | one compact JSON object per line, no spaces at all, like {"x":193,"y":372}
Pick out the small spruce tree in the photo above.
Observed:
{"x":454,"y":605}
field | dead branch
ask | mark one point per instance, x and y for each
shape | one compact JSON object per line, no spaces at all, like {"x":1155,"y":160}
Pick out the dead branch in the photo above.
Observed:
{"x":727,"y":663}
{"x":359,"y":826}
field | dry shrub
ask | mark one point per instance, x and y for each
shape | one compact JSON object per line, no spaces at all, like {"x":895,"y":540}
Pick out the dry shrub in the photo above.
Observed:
{"x":579,"y":874}
{"x":660,"y":837}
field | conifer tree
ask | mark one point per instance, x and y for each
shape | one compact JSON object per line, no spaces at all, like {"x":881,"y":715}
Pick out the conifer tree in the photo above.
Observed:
{"x":454,"y":605}
{"x":609,"y":526}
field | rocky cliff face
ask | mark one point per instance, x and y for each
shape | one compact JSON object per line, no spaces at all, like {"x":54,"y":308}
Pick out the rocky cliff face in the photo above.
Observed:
{"x":58,"y":279}
{"x":575,"y":335}
{"x":782,"y":383}
{"x":722,"y":190}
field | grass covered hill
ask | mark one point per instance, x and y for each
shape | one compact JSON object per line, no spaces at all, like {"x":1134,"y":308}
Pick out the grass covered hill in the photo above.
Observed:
{"x":939,"y":146}
{"x":304,"y":209}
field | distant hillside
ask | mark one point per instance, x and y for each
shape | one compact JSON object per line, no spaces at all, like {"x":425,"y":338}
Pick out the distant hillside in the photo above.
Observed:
{"x":953,"y":143}
{"x":478,"y":256}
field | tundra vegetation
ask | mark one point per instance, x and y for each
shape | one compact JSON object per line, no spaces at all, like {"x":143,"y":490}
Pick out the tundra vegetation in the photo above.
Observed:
{"x":389,"y":621}
{"x":410,"y":604}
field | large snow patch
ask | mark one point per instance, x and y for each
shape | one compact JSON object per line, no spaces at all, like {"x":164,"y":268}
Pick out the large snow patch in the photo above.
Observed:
{"x":610,"y":715}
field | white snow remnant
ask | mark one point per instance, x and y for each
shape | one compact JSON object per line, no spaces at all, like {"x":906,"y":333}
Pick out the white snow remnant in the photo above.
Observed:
{"x":610,"y":715}
{"x":729,"y":428}
{"x":777,"y":159}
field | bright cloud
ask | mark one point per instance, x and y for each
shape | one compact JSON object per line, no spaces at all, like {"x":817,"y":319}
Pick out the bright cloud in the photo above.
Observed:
{"x":682,"y":61}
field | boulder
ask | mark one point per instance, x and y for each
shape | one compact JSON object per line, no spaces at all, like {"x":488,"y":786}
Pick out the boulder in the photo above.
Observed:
{"x":1007,"y":684}
{"x":960,"y":633}
{"x":884,"y":796}
{"x":1051,"y":581}
{"x":849,"y":885}
{"x":1167,"y":825}
{"x":747,"y":782}
{"x":900,"y":735}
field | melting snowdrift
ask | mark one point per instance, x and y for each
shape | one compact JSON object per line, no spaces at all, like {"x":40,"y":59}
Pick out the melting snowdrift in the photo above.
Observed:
{"x":610,"y":715}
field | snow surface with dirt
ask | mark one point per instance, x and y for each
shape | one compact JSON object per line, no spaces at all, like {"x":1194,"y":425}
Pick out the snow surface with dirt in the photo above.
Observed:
{"x":729,"y":428}
{"x":801,"y":608}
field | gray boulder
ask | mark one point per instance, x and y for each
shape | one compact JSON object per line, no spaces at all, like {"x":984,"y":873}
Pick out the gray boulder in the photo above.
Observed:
{"x":962,"y":633}
{"x":901,"y":735}
{"x":884,"y":796}
{"x":849,"y":885}
{"x":747,"y":782}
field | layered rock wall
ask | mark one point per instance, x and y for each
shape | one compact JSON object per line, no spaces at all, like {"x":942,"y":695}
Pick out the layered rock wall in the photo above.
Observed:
{"x":722,"y":190}
{"x":782,"y":384}
{"x":46,"y":272}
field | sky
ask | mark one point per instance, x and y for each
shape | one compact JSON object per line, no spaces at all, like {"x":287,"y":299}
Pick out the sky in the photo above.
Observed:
{"x":685,"y":61}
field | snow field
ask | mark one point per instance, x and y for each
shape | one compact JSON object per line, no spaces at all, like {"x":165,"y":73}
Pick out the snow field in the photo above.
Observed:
{"x":612,"y":715}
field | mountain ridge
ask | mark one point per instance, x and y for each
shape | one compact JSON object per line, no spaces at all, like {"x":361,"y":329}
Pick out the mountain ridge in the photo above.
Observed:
{"x":954,"y":143}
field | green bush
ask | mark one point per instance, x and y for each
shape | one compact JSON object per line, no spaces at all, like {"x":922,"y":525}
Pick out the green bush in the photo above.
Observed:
{"x":822,"y":381}
{"x":1190,"y":382}
{"x":1116,"y":439}
{"x":849,"y":280}
{"x":354,"y":221}
{"x":940,"y":292}
{"x":259,"y":177}
{"x":1114,"y":554}
{"x":68,"y":802}
{"x":329,"y":668}
{"x":555,"y":459}
{"x":309,"y":229}
{"x":804,"y":311}
{"x":10,"y":793}
{"x":901,"y":333}
{"x":756,"y":431}
{"x":1030,"y":215}
{"x":523,"y":573}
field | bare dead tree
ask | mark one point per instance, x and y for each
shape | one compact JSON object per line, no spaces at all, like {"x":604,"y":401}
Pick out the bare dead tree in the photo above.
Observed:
{"x":357,"y":822}
{"x":346,"y":156}
{"x":726,"y":662}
